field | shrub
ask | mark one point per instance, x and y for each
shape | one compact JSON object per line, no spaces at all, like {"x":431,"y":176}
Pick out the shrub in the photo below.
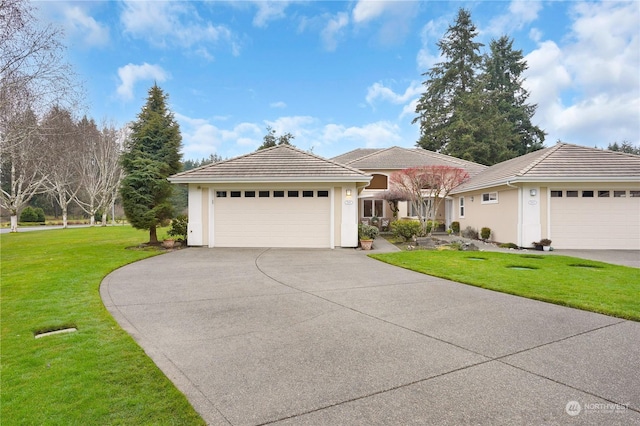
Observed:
{"x":485,"y":233}
{"x":179,"y":227}
{"x":29,"y":214}
{"x":455,"y":227}
{"x":470,"y":232}
{"x":367,"y":232}
{"x":40,"y":214}
{"x":405,"y":228}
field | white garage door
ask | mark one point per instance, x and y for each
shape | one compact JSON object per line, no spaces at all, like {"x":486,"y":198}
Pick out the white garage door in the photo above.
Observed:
{"x":272,"y":218}
{"x":595,"y":219}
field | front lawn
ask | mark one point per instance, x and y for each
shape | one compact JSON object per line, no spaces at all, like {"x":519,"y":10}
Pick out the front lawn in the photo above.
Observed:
{"x":96,"y":375}
{"x":578,"y":283}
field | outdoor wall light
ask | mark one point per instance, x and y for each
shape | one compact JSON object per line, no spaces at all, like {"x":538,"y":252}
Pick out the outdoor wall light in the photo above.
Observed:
{"x":472,"y":199}
{"x":348,"y":193}
{"x":532,"y":192}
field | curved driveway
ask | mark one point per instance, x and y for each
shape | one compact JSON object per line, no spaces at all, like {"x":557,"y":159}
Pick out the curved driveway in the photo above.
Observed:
{"x":290,"y":336}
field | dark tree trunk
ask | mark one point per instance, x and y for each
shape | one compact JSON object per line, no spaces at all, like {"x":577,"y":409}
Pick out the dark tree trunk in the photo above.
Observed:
{"x":153,"y":235}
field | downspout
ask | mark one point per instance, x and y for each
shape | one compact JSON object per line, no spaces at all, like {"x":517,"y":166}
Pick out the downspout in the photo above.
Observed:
{"x":519,"y":224}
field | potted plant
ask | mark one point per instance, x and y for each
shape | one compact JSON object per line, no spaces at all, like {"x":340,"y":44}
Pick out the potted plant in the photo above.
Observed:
{"x":366,"y":234}
{"x":546,"y":244}
{"x":543,"y":244}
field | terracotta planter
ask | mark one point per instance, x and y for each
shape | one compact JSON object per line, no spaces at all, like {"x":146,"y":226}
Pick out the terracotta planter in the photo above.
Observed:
{"x":168,"y":243}
{"x":366,"y":244}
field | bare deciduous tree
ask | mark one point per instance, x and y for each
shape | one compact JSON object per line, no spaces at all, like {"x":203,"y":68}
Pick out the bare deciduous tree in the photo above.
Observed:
{"x":61,"y":138}
{"x":22,"y":164}
{"x":33,"y":76}
{"x":426,"y":186}
{"x":99,"y":168}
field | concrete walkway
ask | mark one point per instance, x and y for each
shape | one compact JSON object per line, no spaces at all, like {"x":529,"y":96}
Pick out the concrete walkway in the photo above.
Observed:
{"x":284,"y":336}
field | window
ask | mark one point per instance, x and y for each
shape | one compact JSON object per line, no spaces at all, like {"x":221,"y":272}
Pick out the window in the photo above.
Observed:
{"x":634,"y":194}
{"x":619,"y":194}
{"x":378,"y":182}
{"x":489,"y":198}
{"x":323,"y":194}
{"x":278,"y":194}
{"x":461,"y":206}
{"x":307,"y":194}
{"x":373,"y":208}
{"x":293,"y":194}
{"x":263,"y":194}
{"x":587,"y":194}
{"x":603,"y":194}
{"x":556,"y":194}
{"x":249,"y":194}
{"x":221,"y":194}
{"x":572,"y":194}
{"x":235,"y":194}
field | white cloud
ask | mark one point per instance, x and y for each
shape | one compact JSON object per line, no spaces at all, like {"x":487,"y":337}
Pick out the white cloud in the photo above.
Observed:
{"x":169,"y":24}
{"x":269,"y":10}
{"x":278,"y":104}
{"x":372,"y":135}
{"x":85,"y":28}
{"x":378,"y":91}
{"x":431,"y":32}
{"x":520,"y":13}
{"x":367,"y":10}
{"x":588,"y":90}
{"x":130,"y":74}
{"x":201,"y":138}
{"x":334,"y":30}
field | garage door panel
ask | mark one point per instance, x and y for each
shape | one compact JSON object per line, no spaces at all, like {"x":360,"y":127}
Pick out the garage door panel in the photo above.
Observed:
{"x":598,"y":222}
{"x":272,"y":222}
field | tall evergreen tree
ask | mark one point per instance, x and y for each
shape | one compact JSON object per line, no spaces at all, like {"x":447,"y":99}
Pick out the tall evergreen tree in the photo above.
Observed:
{"x":270,"y":139}
{"x":449,"y":83}
{"x":152,"y":153}
{"x":502,"y":78}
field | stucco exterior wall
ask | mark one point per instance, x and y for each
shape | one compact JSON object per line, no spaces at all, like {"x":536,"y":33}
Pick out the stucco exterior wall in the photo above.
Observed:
{"x":501,"y":216}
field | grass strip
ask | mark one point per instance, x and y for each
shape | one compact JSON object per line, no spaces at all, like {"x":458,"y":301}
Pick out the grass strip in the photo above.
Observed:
{"x":49,"y":280}
{"x":584,"y":284}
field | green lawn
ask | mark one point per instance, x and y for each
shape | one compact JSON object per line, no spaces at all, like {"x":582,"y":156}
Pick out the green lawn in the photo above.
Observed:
{"x":97,"y":375}
{"x":583,"y":284}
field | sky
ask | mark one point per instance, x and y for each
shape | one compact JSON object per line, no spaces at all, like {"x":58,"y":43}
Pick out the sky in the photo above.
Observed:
{"x":341,"y":75}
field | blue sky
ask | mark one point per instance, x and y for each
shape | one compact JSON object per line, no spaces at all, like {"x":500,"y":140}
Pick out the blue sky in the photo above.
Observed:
{"x":342,"y":75}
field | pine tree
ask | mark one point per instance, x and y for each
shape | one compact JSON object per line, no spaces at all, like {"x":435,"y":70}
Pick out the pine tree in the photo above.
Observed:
{"x":152,"y":153}
{"x":270,"y":139}
{"x":502,"y":78}
{"x":448,"y":83}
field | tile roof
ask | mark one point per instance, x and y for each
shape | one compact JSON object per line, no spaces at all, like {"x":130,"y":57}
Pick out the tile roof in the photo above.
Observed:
{"x":279,"y":163}
{"x":354,"y":155}
{"x":561,"y":162}
{"x":401,"y":158}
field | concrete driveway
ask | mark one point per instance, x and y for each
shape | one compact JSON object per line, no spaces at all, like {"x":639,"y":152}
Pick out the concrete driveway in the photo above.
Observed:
{"x":284,"y":336}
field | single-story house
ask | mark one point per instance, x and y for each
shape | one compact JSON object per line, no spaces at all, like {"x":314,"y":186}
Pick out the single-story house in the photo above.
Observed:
{"x":381,"y":164}
{"x":576,"y":196}
{"x":276,"y":197}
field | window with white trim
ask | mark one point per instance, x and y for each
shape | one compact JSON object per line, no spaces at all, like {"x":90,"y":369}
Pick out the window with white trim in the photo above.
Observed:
{"x":371,"y":208}
{"x":461,"y":207}
{"x":489,"y":198}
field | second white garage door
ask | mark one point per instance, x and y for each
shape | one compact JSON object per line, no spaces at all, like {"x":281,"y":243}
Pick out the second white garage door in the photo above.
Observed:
{"x":286,"y":217}
{"x":595,"y":219}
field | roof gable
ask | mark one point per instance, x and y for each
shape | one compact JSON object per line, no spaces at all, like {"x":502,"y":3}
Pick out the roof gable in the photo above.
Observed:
{"x":279,"y":163}
{"x":402,"y":158}
{"x":561,"y":162}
